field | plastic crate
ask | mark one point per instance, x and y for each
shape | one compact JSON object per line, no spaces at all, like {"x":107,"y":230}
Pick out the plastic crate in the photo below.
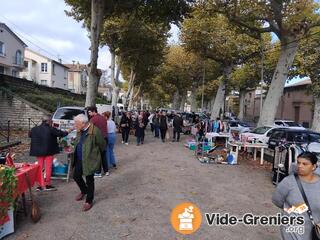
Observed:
{"x":60,"y":170}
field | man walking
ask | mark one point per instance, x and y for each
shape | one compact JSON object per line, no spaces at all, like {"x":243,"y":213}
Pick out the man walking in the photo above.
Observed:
{"x":87,"y":158}
{"x":177,"y":127}
{"x":101,"y":123}
{"x":43,"y":146}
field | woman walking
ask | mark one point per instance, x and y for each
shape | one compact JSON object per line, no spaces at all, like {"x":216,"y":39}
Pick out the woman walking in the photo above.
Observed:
{"x":289,"y":197}
{"x":125,"y":125}
{"x":163,"y":125}
{"x":111,"y":126}
{"x":140,"y":127}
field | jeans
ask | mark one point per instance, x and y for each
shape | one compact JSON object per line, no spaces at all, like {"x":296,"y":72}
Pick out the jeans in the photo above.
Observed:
{"x":86,"y":187}
{"x":46,"y":162}
{"x":176,"y":132}
{"x":156,"y":131}
{"x":125,"y":134}
{"x":110,"y":146}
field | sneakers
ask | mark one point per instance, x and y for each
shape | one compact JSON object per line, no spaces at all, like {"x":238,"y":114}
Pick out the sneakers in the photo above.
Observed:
{"x":50,"y":188}
{"x":122,"y":142}
{"x":97,"y":175}
{"x":39,"y":189}
{"x":114,"y":166}
{"x":107,"y":173}
{"x":126,"y":143}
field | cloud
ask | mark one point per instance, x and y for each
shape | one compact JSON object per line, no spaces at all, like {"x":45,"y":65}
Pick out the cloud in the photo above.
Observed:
{"x":43,"y":25}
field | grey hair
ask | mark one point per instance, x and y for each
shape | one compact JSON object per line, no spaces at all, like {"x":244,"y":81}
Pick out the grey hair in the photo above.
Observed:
{"x":81,"y":118}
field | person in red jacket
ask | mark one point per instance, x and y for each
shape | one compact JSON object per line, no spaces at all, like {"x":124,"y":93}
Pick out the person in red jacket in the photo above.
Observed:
{"x":100,"y":122}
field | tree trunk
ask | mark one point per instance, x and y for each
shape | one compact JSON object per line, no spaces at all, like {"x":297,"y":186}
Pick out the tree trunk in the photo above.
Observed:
{"x":182,"y":103}
{"x":130,"y":87}
{"x":193,"y":100}
{"x":175,"y":102}
{"x":141,"y":102}
{"x":97,"y":13}
{"x":242,"y":94}
{"x":130,"y":100}
{"x":287,"y":54}
{"x":316,"y":115}
{"x":219,"y":101}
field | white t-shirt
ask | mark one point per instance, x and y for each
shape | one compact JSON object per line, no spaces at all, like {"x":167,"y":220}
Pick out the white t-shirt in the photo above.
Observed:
{"x":111,"y":126}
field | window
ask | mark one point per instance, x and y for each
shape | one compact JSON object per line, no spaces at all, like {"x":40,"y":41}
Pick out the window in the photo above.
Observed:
{"x":313,"y":137}
{"x":2,"y":69}
{"x":25,"y":63}
{"x":67,"y":114}
{"x":270,"y":132}
{"x":14,"y":73}
{"x":278,"y":135}
{"x":2,"y":50}
{"x":18,"y":59}
{"x":43,"y":82}
{"x":260,"y":130}
{"x":44,"y":67}
{"x":53,"y":69}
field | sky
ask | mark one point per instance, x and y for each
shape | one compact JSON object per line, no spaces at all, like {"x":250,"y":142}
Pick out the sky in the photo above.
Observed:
{"x":45,"y":28}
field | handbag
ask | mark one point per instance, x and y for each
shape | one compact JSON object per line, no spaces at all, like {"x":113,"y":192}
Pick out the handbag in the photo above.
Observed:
{"x":35,"y":210}
{"x":316,"y":228}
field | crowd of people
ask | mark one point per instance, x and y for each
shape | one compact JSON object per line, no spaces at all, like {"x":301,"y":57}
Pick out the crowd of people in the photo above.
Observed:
{"x":93,"y":151}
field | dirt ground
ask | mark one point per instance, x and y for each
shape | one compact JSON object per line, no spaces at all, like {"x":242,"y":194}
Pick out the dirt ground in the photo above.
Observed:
{"x":136,"y":200}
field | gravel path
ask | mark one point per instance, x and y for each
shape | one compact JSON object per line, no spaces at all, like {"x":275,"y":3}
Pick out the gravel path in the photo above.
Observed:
{"x":135,"y":201}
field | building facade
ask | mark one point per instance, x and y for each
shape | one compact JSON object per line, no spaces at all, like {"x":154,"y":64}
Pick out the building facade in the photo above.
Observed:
{"x":77,"y":77}
{"x":11,"y":52}
{"x":44,"y":71}
{"x":296,"y":103}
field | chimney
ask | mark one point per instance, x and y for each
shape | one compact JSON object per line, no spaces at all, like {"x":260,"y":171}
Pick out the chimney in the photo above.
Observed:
{"x":60,"y":60}
{"x":73,"y":62}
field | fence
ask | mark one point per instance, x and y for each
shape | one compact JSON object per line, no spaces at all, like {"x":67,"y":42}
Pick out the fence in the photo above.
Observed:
{"x":5,"y":131}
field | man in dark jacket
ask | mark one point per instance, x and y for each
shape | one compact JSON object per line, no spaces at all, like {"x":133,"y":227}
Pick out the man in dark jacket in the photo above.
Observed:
{"x":43,"y":146}
{"x":177,"y":127}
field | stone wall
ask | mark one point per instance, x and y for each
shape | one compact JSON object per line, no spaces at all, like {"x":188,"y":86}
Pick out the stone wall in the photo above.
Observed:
{"x":18,"y":111}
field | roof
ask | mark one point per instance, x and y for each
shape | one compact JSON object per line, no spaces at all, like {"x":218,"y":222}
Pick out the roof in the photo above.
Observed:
{"x":76,"y":67}
{"x":13,"y":34}
{"x":49,"y":59}
{"x":300,"y":83}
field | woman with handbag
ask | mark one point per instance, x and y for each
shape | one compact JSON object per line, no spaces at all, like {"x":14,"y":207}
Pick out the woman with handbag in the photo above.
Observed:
{"x":299,"y":195}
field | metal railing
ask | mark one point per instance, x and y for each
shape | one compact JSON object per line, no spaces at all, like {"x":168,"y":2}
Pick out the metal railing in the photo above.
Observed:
{"x":29,"y":124}
{"x":5,"y":133}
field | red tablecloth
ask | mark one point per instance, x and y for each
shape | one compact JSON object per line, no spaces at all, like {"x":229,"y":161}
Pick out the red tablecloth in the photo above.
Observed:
{"x":33,"y":171}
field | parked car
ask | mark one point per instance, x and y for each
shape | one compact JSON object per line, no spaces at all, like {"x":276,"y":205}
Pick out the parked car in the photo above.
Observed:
{"x":292,"y":135}
{"x":288,"y":123}
{"x":238,"y":126}
{"x":63,"y":116}
{"x":260,"y":134}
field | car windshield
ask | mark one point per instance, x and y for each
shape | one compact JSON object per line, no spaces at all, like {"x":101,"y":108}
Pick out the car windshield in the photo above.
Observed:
{"x":243,"y":124}
{"x":260,"y":130}
{"x":292,"y":124}
{"x":67,"y":113}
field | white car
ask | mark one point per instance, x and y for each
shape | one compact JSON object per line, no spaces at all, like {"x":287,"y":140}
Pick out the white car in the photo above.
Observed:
{"x":288,"y":123}
{"x":259,"y":134}
{"x":238,"y":126}
{"x":63,"y":117}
